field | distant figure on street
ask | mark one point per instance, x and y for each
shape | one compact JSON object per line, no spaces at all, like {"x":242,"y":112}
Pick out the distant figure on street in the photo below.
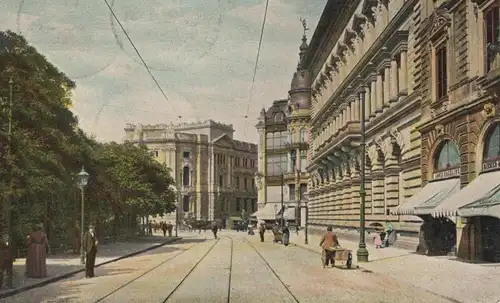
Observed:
{"x":6,"y":261}
{"x":377,"y":240}
{"x":150,"y":229}
{"x":286,"y":234}
{"x":329,"y":242}
{"x":170,"y":227}
{"x":215,"y":228}
{"x":262,"y":231}
{"x":90,"y":243}
{"x":164,"y":228}
{"x":36,"y":260}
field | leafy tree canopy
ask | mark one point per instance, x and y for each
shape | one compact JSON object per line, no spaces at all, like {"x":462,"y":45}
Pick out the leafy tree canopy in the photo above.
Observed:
{"x":47,"y":149}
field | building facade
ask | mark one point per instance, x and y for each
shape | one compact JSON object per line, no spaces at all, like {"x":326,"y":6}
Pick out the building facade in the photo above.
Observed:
{"x":458,"y":79}
{"x":213,"y":172}
{"x":365,"y":55}
{"x":283,"y":151}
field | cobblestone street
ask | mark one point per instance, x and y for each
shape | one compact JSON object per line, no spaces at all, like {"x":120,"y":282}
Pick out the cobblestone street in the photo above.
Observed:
{"x":236,"y":268}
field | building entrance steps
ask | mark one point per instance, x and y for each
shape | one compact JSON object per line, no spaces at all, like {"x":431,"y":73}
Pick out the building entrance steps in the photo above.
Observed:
{"x":61,"y":266}
{"x":445,"y":276}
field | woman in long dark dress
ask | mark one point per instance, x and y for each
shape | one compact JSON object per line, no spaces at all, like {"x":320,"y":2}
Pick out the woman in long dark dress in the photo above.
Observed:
{"x":36,"y":261}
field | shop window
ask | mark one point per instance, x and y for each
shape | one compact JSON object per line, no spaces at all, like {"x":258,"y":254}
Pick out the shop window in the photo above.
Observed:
{"x":492,"y":145}
{"x":492,"y":24}
{"x":441,"y":74}
{"x":448,"y":156}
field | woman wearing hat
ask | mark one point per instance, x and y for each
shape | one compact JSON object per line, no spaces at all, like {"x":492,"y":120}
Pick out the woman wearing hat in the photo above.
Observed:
{"x":38,"y":246}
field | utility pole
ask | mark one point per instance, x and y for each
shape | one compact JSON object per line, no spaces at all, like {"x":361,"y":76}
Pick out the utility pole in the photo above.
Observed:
{"x":298,"y":194}
{"x":282,"y":198}
{"x":362,"y":252}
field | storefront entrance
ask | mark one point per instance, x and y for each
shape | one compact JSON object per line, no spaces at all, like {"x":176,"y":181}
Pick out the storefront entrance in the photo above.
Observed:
{"x":489,"y":239}
{"x":437,"y":236}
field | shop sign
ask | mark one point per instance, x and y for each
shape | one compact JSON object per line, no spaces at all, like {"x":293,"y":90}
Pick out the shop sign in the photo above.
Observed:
{"x":447,"y":174}
{"x":491,"y":165}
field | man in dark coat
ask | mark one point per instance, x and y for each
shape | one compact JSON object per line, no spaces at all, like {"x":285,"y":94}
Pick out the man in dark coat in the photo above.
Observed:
{"x":6,"y":261}
{"x":90,"y":247}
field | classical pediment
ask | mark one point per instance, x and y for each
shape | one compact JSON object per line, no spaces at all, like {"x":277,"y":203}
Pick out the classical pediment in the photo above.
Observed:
{"x":440,"y":23}
{"x":224,"y":141}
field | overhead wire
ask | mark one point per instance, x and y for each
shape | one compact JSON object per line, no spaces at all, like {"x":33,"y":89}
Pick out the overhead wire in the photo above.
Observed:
{"x":256,"y":66}
{"x":139,"y":55}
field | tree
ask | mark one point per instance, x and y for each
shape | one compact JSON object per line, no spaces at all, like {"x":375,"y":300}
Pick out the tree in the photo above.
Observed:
{"x":48,"y":148}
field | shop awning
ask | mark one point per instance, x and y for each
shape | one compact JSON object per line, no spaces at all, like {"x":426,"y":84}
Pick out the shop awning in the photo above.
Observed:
{"x":429,"y":197}
{"x":235,"y":218}
{"x":480,"y":188}
{"x":488,"y":206}
{"x":268,"y":212}
{"x":290,"y":213}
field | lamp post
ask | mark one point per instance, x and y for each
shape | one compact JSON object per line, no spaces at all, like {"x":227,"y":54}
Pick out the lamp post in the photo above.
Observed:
{"x":362,"y":252}
{"x":81,"y":181}
{"x":9,"y":163}
{"x":306,"y":198}
{"x":179,"y":198}
{"x":282,"y":198}
{"x":275,"y":212}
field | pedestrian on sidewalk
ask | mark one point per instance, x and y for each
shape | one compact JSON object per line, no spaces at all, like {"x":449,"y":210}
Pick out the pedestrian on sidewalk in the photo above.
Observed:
{"x":90,"y":243}
{"x":38,"y":247}
{"x":215,"y":228}
{"x":164,"y":228}
{"x":6,"y":261}
{"x":329,"y":242}
{"x":262,"y":231}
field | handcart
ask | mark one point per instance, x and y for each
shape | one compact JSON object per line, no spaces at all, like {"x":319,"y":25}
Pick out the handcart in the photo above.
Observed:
{"x":278,"y":236}
{"x":337,"y":254}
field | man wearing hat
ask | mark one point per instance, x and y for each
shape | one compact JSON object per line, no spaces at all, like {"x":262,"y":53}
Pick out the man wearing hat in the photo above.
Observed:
{"x":90,"y":248}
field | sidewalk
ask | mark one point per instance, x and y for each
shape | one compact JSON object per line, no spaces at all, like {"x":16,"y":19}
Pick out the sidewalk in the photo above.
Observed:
{"x":445,"y":276}
{"x":62,"y":266}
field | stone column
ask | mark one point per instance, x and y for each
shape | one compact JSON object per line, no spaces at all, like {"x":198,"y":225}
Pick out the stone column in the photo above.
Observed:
{"x":394,"y":80}
{"x":380,"y":94}
{"x":356,"y":109}
{"x":391,"y":172}
{"x":348,"y":114}
{"x":387,"y":86}
{"x":367,"y":100}
{"x":403,"y":72}
{"x":373,"y":98}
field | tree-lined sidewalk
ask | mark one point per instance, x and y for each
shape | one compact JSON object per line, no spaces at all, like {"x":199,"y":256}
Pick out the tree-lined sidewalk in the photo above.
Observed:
{"x":60,"y":266}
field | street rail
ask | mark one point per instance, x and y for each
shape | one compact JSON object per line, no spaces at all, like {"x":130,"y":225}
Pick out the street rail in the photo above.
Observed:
{"x":171,"y":294}
{"x":150,"y":270}
{"x":272,"y":270}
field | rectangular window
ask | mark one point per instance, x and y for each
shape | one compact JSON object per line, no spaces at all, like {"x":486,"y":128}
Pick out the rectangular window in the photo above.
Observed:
{"x":291,"y":191}
{"x":492,"y":24}
{"x":186,"y":155}
{"x":270,"y":141}
{"x":238,"y":205}
{"x":221,"y":180}
{"x":253,"y":183}
{"x":303,"y":164}
{"x":245,"y":182}
{"x":441,"y":74}
{"x":303,"y":190}
{"x":276,"y":165}
{"x":237,"y":182}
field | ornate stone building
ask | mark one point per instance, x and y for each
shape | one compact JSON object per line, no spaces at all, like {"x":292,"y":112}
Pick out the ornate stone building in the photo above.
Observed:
{"x":213,"y":171}
{"x":457,"y":75}
{"x":283,"y":150}
{"x":366,"y":54}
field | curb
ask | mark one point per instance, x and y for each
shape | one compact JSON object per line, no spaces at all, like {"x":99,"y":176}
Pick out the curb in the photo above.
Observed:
{"x":25,"y":288}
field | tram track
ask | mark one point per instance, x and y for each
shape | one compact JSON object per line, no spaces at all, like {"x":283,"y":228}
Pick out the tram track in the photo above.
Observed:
{"x":151,"y":269}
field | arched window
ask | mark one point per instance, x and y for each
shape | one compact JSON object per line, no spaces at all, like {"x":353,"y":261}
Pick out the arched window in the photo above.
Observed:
{"x":447,"y":157}
{"x":303,"y":135}
{"x":492,"y":144}
{"x":278,"y":117}
{"x":185,"y":204}
{"x":185,"y":176}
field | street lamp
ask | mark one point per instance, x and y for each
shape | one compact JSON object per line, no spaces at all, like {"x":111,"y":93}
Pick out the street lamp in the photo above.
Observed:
{"x":9,"y":162}
{"x":275,"y":212}
{"x":362,"y":252}
{"x":306,"y":198}
{"x":81,"y":181}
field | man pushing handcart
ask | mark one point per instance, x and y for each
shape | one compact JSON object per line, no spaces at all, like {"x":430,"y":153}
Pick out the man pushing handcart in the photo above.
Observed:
{"x":332,"y":251}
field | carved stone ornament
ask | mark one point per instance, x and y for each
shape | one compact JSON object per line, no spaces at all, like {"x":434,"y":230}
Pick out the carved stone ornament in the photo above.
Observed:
{"x":489,"y":110}
{"x":441,"y":22}
{"x":387,"y":147}
{"x":398,"y":136}
{"x":259,"y":180}
{"x":439,"y":129}
{"x":373,"y":153}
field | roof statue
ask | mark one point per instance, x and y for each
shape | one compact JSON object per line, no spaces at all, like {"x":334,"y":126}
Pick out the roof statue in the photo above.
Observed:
{"x":304,"y":25}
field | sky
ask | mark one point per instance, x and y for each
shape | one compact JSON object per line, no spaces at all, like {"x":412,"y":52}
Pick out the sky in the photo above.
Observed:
{"x":201,"y":52}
